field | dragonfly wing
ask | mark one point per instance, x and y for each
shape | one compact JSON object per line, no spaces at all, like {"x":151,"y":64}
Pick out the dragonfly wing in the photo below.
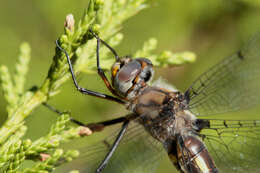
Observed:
{"x":234,"y":144}
{"x":137,"y":152}
{"x":230,"y":85}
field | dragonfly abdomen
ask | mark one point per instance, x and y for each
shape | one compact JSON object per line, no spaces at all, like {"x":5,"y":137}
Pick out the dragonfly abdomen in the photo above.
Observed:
{"x":193,"y":156}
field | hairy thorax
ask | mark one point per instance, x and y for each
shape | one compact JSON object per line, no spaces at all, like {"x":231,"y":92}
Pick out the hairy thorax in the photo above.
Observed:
{"x":161,"y":113}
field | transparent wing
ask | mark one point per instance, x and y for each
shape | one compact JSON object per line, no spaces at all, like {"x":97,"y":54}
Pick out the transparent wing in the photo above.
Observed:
{"x":137,"y":152}
{"x":234,"y":144}
{"x":230,"y":85}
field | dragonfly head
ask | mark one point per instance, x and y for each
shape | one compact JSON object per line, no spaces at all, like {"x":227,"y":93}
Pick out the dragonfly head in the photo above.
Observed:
{"x":130,"y":75}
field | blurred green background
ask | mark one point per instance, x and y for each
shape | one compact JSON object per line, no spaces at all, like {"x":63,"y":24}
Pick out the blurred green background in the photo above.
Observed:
{"x":211,"y":29}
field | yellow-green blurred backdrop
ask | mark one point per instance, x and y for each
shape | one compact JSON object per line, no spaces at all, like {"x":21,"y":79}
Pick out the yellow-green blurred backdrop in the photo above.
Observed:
{"x":212,"y":29}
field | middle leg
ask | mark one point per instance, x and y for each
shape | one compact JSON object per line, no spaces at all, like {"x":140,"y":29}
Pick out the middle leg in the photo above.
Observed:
{"x":98,"y":126}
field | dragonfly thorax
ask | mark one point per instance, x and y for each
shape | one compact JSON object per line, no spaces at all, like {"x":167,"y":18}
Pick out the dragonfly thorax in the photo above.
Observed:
{"x":158,"y":109}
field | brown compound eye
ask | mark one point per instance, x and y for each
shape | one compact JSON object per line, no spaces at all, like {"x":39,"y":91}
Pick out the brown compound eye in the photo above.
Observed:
{"x":124,"y":76}
{"x":130,"y":75}
{"x":129,"y":71}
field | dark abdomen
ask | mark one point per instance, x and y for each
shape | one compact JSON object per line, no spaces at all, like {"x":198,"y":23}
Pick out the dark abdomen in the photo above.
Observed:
{"x":193,"y":156}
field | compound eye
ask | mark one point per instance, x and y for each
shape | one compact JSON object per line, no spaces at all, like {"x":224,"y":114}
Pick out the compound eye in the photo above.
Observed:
{"x":129,"y":71}
{"x":148,"y":76}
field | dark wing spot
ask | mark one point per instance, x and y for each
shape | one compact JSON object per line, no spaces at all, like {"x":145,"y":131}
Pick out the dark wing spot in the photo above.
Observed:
{"x":201,"y":124}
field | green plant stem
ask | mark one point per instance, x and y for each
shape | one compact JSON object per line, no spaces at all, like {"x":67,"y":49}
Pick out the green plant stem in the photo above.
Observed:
{"x":16,"y":120}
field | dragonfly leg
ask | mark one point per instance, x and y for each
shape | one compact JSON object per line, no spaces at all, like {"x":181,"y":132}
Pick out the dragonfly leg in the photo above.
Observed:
{"x":99,"y":126}
{"x":107,"y":45}
{"x":113,"y":148}
{"x":95,"y":127}
{"x":84,"y":90}
{"x":60,"y":113}
{"x":99,"y":69}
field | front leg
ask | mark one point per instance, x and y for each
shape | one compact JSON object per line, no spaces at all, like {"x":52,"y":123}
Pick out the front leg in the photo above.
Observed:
{"x":84,"y":90}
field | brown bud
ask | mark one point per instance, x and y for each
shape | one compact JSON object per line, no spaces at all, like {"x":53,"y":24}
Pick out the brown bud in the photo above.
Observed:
{"x":84,"y":131}
{"x":44,"y":156}
{"x":69,"y":22}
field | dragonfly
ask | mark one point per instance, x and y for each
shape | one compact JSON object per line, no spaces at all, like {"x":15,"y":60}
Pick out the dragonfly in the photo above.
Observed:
{"x":166,"y":123}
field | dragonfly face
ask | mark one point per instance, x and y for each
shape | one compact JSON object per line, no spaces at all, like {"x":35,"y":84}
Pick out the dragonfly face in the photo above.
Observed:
{"x":163,"y":122}
{"x":130,"y":75}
